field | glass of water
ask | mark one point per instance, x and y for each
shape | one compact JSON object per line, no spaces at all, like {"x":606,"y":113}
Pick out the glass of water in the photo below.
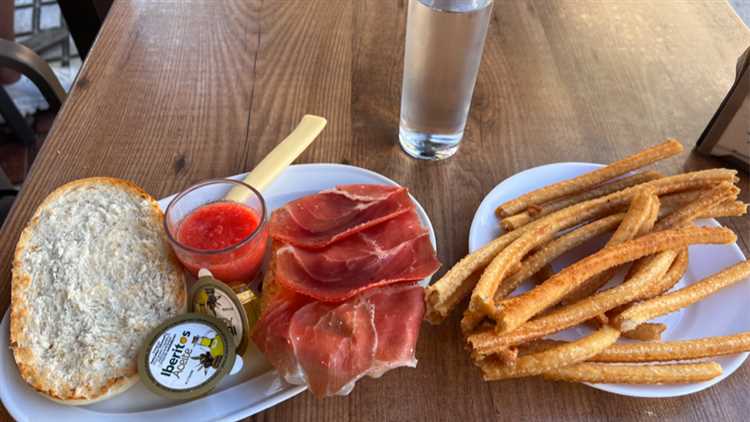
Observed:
{"x":444,"y":42}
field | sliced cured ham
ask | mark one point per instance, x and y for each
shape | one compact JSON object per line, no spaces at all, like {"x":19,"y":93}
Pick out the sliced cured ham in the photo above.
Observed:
{"x":395,"y":251}
{"x":330,"y":346}
{"x":334,"y":345}
{"x":397,"y":328}
{"x":340,"y":300}
{"x":271,"y":335}
{"x":316,"y":221}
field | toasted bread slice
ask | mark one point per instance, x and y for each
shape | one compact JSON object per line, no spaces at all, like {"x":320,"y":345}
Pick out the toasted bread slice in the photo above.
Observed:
{"x":270,"y":288}
{"x":93,"y":273}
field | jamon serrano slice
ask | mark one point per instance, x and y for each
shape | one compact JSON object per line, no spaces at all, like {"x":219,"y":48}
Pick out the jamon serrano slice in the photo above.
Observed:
{"x":397,"y":328}
{"x":334,"y":345}
{"x":271,"y":334}
{"x":316,"y":221}
{"x":330,"y":346}
{"x":395,"y":251}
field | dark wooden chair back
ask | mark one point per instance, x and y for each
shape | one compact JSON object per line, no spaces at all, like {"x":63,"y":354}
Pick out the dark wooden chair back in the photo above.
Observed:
{"x":23,"y":60}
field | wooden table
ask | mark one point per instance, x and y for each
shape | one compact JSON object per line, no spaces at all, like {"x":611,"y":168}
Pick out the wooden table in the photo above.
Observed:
{"x":177,"y":92}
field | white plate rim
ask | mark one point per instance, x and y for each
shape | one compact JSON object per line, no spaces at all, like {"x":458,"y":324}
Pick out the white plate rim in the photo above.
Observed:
{"x":12,"y":404}
{"x":637,"y":390}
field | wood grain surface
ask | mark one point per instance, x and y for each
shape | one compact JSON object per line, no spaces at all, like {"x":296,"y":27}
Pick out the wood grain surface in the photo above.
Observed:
{"x":175,"y":92}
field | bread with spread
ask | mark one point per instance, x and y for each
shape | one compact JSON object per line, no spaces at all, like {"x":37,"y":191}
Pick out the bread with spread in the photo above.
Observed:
{"x":93,"y":273}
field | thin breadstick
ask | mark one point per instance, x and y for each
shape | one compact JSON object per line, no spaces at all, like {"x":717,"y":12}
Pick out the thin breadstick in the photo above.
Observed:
{"x":639,"y":219}
{"x":675,"y":273}
{"x":484,"y":295}
{"x":436,"y":314}
{"x":648,"y":331}
{"x":685,"y":214}
{"x":585,"y":181}
{"x":725,"y":209}
{"x":595,"y":283}
{"x":728,"y":208}
{"x":723,"y":192}
{"x":671,"y":302}
{"x":665,"y":351}
{"x":488,"y":342}
{"x":554,"y":249}
{"x":442,"y":296}
{"x":659,"y":187}
{"x":651,"y":218}
{"x":675,"y":350}
{"x":541,"y":345}
{"x":515,"y":221}
{"x":666,"y":185}
{"x":676,"y":200}
{"x":552,"y":290}
{"x":611,"y":373}
{"x":471,"y":320}
{"x":671,"y":200}
{"x":556,"y":357}
{"x":482,"y":298}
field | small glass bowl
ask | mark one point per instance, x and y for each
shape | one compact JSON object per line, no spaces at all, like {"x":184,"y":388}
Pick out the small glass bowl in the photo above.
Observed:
{"x":235,"y":265}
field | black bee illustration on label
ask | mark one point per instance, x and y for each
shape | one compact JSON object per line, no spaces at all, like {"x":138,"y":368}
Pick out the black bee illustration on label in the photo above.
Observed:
{"x":207,"y":301}
{"x":214,"y":356}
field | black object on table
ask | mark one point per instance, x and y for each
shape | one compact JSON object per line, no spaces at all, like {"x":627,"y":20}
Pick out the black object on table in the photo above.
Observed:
{"x":23,"y":60}
{"x":84,"y":19}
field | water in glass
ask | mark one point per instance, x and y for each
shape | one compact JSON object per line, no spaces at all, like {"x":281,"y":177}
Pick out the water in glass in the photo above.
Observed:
{"x":444,"y":41}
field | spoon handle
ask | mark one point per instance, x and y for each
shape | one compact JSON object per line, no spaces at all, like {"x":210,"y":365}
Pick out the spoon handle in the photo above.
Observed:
{"x":282,"y":156}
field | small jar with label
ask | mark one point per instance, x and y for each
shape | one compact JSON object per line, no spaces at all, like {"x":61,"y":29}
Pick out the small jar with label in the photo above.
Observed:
{"x":187,"y":356}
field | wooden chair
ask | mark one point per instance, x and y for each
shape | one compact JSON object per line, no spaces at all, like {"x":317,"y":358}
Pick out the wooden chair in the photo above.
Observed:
{"x":25,"y":61}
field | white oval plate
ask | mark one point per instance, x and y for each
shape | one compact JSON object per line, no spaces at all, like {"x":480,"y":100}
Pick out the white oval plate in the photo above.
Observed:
{"x":720,"y":314}
{"x":255,"y":388}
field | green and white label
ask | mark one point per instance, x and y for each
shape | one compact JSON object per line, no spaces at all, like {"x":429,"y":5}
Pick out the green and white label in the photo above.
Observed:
{"x":186,"y":355}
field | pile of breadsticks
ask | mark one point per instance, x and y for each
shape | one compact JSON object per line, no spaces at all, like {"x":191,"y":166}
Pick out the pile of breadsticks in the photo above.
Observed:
{"x":650,"y":218}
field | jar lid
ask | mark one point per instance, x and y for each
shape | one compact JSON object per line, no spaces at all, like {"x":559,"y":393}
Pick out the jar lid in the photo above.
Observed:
{"x":186,"y":356}
{"x":210,"y":296}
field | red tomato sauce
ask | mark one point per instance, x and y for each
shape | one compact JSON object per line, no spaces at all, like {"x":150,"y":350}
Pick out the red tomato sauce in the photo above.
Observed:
{"x":217,"y":226}
{"x":220,"y":225}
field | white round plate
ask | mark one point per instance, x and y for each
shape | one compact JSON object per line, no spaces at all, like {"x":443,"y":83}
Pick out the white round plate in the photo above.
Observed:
{"x":723,"y":313}
{"x":255,"y":388}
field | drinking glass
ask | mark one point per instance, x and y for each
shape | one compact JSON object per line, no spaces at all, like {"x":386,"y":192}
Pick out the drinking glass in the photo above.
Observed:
{"x":444,"y":42}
